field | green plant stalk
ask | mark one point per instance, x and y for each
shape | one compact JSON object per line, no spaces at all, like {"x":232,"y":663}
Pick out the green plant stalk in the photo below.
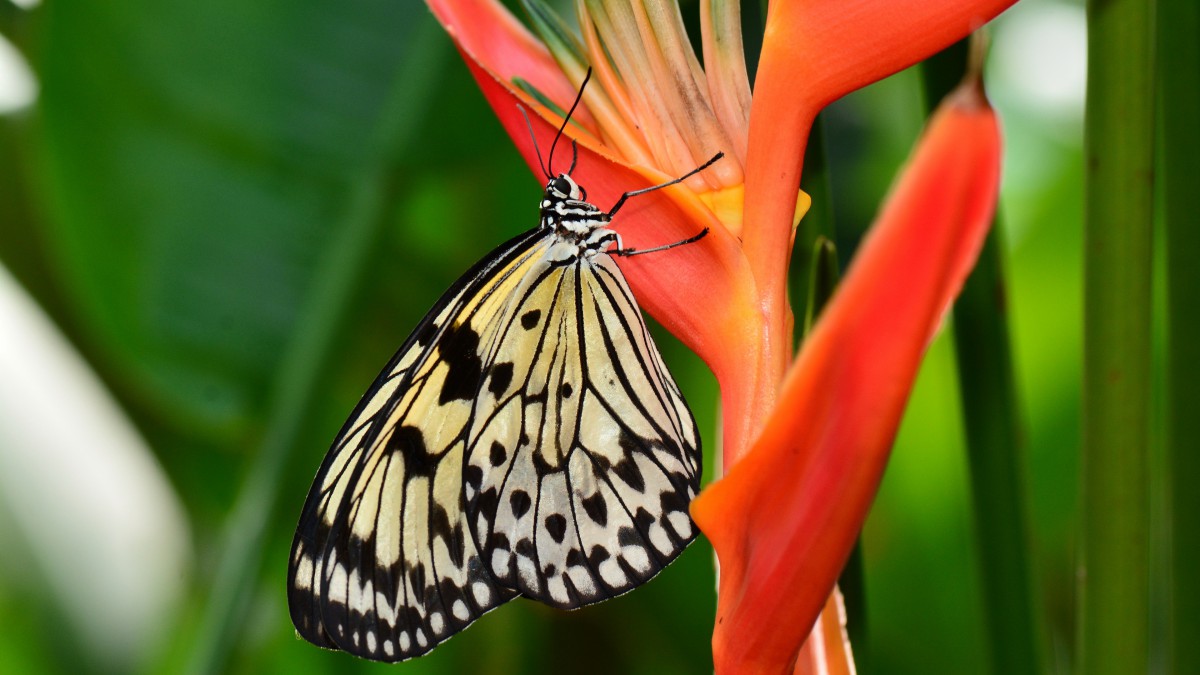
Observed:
{"x":1179,"y":171}
{"x":815,"y":227}
{"x":994,"y":440}
{"x":824,"y":278}
{"x":1113,"y":610}
{"x":299,"y":375}
{"x":996,"y":461}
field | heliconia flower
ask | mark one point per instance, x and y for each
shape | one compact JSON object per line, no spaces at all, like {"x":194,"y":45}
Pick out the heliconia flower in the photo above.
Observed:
{"x":805,"y":443}
{"x":802,"y":491}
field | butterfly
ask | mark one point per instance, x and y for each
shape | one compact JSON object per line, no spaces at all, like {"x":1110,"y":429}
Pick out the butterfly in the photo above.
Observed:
{"x":526,"y":439}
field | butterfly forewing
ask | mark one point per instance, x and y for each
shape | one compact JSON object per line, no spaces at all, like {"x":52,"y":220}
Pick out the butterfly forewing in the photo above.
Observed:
{"x":383,"y":564}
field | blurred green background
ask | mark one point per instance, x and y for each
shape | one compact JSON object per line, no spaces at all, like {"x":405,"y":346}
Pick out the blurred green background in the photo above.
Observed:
{"x":236,"y":211}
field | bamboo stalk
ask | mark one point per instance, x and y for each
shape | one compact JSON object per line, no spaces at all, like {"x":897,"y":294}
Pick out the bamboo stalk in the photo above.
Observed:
{"x":1113,"y":609}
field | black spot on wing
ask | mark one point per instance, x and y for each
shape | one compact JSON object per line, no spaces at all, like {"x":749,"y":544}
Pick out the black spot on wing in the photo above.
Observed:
{"x":525,"y":548}
{"x":627,"y":536}
{"x":628,"y":471}
{"x":596,"y":509}
{"x":457,"y":543}
{"x":529,"y":320}
{"x":497,"y":454}
{"x":598,"y":555}
{"x":473,"y":475}
{"x":410,"y":443}
{"x":416,"y":582}
{"x":425,"y":333}
{"x":451,"y":595}
{"x":540,"y":464}
{"x":501,"y":377}
{"x":451,"y":534}
{"x":520,"y":502}
{"x":500,"y":542}
{"x":459,"y":349}
{"x":487,"y":502}
{"x":673,"y":500}
{"x":556,"y":525}
{"x":565,"y":390}
{"x":643,"y":519}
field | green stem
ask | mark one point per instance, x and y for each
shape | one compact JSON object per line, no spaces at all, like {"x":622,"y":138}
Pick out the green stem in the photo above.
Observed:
{"x":996,"y":459}
{"x":817,"y":226}
{"x":1113,"y":612}
{"x":824,"y":277}
{"x":299,"y":376}
{"x":995,"y":448}
{"x":1179,"y":171}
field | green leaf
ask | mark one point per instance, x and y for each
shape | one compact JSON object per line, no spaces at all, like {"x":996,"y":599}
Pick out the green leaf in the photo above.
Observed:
{"x":194,"y":160}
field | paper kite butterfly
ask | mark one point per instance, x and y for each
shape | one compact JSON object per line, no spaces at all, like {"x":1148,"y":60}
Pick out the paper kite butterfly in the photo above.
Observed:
{"x":526,"y":439}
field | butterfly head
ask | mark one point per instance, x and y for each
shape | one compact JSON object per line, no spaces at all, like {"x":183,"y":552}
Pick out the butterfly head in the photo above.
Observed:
{"x":564,"y":188}
{"x":566,"y":211}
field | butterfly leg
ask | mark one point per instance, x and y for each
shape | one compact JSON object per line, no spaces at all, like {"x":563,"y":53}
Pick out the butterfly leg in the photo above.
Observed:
{"x":627,"y":252}
{"x":621,"y":202}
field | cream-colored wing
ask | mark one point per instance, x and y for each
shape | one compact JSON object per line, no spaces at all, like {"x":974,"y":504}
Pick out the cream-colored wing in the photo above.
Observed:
{"x":383,"y":564}
{"x":582,"y":456}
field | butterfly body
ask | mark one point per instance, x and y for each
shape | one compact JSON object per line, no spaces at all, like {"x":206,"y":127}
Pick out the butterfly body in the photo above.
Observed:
{"x":526,"y":439}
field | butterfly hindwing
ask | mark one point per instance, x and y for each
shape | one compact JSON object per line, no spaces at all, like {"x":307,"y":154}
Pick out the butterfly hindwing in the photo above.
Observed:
{"x":383,"y":564}
{"x":579,"y":477}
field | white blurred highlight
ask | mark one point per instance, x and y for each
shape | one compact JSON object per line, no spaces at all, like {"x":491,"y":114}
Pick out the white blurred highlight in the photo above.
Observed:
{"x":18,"y":87}
{"x":85,"y":492}
{"x":1039,"y":58}
{"x":1037,"y":78}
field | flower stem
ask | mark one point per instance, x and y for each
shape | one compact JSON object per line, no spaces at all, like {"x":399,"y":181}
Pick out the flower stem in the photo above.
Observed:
{"x":1179,"y":95}
{"x":1113,"y":611}
{"x":815,"y":232}
{"x":996,"y":458}
{"x":995,"y":451}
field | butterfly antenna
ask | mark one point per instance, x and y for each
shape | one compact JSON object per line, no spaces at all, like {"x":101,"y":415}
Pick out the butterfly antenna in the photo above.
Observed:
{"x":578,"y":97}
{"x":533,"y":138}
{"x":574,"y":156}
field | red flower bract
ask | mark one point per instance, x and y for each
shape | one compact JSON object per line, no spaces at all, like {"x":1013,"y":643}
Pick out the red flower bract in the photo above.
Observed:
{"x":805,"y":442}
{"x":785,"y":517}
